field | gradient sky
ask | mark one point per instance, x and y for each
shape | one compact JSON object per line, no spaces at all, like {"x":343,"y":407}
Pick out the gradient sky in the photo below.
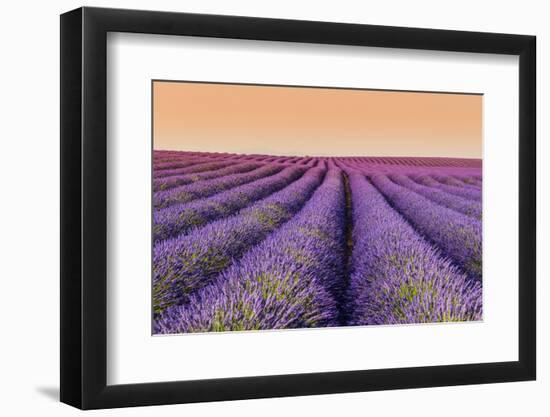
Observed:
{"x":314,"y":121}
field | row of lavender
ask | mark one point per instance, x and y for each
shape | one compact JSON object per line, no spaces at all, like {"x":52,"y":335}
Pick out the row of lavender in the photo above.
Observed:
{"x":246,"y":242}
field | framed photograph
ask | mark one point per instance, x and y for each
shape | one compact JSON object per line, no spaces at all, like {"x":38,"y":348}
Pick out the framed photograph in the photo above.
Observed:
{"x":256,"y":208}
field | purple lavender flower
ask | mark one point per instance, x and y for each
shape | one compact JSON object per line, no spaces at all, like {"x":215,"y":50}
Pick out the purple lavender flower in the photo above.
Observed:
{"x":181,"y":218}
{"x":164,"y":183}
{"x":189,"y":192}
{"x":184,"y":264}
{"x":457,"y":235}
{"x":436,"y":181}
{"x":253,"y":242}
{"x":398,"y":277}
{"x":467,"y":207}
{"x":292,"y":279}
{"x":193,"y":169}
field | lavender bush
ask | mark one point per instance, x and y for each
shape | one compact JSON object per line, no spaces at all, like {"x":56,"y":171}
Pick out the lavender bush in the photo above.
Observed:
{"x":292,"y":279}
{"x":457,"y":235}
{"x":186,"y":263}
{"x":398,"y":277}
{"x":470,"y":208}
{"x":180,"y":218}
{"x":201,"y":189}
{"x":192,"y":169}
{"x":469,"y":193}
{"x":164,"y":183}
{"x":257,"y":242}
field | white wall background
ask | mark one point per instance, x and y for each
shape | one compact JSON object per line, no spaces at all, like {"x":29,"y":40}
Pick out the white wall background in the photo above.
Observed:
{"x":29,"y":225}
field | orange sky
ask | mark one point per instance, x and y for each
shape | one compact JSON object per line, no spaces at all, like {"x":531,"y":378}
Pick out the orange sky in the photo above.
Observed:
{"x":314,"y":121}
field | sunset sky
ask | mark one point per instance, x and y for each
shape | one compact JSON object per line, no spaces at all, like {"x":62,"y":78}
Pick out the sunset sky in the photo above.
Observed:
{"x":314,"y":121}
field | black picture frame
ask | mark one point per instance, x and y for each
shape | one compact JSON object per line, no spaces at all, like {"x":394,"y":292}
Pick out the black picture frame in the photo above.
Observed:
{"x":84,"y":207}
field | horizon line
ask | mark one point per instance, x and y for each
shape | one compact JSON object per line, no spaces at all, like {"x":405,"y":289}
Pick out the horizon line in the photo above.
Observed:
{"x":320,"y":156}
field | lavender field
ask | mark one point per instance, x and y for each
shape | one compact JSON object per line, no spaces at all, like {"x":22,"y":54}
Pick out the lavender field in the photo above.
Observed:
{"x":256,"y":242}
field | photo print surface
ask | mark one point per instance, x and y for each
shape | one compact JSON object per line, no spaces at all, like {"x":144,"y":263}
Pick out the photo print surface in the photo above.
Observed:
{"x":281,"y":207}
